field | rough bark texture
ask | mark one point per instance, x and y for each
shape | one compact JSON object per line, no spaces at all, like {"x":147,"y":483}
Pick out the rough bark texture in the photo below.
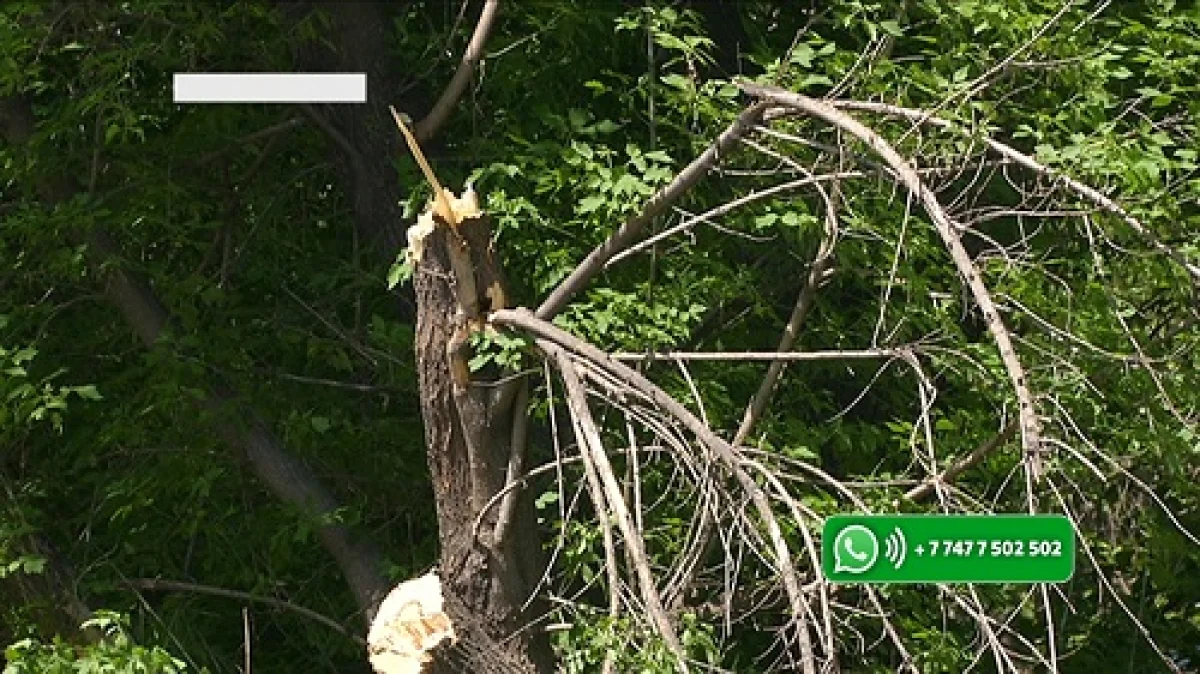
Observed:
{"x":467,"y":430}
{"x":467,"y":422}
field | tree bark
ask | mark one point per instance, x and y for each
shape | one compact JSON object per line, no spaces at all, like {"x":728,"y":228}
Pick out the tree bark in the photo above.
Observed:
{"x":487,"y":578}
{"x":468,"y":424}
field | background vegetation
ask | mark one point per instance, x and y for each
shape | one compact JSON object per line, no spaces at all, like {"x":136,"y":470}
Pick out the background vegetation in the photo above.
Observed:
{"x":239,"y":217}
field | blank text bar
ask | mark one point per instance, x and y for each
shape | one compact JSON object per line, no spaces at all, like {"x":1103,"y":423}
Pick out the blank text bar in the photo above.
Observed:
{"x":270,"y":87}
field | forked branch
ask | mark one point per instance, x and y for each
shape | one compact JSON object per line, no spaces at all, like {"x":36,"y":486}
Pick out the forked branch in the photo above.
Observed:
{"x":907,"y":175}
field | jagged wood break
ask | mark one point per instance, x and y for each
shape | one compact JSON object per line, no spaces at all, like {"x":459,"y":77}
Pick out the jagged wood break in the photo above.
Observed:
{"x":470,"y":436}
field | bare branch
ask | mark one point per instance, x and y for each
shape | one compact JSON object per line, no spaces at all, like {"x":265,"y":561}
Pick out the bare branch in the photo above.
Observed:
{"x":967,"y":462}
{"x":1030,"y":424}
{"x":593,"y":264}
{"x":158,"y":584}
{"x":596,"y":461}
{"x":1022,"y":159}
{"x":523,"y":319}
{"x":742,"y":356}
{"x":817,"y":275}
{"x":429,"y":125}
{"x":717,"y":212}
{"x":513,"y":474}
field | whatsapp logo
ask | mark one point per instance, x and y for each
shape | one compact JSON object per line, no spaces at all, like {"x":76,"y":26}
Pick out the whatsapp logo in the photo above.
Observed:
{"x":855,"y":550}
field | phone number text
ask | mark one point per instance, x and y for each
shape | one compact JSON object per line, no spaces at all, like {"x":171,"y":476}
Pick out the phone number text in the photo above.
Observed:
{"x":987,"y":548}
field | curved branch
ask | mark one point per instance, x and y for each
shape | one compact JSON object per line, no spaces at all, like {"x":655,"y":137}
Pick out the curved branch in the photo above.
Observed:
{"x":907,"y":175}
{"x":593,"y":264}
{"x":525,"y":320}
{"x":159,"y":584}
{"x":429,"y":125}
{"x":1014,"y":155}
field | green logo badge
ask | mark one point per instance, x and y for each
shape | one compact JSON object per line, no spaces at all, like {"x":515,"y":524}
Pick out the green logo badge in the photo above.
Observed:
{"x":948,"y":548}
{"x":855,"y":550}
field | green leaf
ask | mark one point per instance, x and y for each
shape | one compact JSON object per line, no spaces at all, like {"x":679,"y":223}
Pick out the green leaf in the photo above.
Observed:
{"x":677,"y":81}
{"x":400,"y":272}
{"x":479,"y":361}
{"x":87,"y":392}
{"x":589,"y":204}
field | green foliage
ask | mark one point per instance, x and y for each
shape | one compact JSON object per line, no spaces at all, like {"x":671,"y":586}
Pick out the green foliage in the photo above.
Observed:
{"x":505,"y":351}
{"x":582,"y":111}
{"x":593,"y":640}
{"x":114,"y":653}
{"x":29,"y":402}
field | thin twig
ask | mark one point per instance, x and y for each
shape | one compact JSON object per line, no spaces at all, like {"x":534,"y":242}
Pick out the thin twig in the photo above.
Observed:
{"x":817,"y":275}
{"x":592,"y":447}
{"x":1008,"y":152}
{"x":159,"y":584}
{"x":246,"y":639}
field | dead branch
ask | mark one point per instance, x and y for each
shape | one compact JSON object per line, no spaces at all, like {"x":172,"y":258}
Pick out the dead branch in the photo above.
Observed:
{"x":743,"y":356}
{"x":967,"y":462}
{"x":592,"y":447}
{"x":1027,"y":413}
{"x":1008,"y":152}
{"x":526,"y":321}
{"x":428,"y":127}
{"x":593,"y":264}
{"x":159,"y":584}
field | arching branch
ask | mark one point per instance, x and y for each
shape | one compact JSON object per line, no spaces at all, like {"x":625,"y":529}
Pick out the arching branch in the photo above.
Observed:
{"x":1008,"y":152}
{"x":907,"y":175}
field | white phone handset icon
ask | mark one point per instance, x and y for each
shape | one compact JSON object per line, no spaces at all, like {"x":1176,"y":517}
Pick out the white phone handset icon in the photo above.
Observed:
{"x":848,"y":543}
{"x":855,"y":550}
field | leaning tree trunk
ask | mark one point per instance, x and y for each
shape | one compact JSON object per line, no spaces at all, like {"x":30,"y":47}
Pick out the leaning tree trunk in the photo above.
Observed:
{"x":488,"y":571}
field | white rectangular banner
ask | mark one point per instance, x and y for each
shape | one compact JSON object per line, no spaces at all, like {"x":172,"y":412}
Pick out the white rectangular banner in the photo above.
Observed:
{"x":270,"y":87}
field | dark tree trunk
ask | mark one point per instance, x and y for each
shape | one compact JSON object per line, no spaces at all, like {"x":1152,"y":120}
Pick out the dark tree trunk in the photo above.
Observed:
{"x":468,"y":430}
{"x":468,"y":421}
{"x":234,"y":421}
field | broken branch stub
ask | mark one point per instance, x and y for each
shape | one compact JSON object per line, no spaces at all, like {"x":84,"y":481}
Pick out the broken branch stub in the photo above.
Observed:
{"x":410,"y":624}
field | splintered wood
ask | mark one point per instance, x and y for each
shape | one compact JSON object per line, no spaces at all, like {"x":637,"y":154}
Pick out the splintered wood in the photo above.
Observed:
{"x":411,"y":623}
{"x":451,"y":209}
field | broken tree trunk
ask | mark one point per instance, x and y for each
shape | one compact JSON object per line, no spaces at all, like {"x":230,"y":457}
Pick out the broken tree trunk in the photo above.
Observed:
{"x":489,"y":572}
